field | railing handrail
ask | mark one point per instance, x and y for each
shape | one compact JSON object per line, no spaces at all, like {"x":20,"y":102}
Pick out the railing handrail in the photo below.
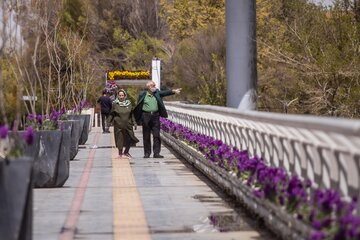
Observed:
{"x":325,"y":150}
{"x":336,"y":124}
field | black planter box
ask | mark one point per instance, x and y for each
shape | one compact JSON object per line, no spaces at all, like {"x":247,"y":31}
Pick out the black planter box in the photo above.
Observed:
{"x":16,"y":199}
{"x":51,"y":153}
{"x":85,"y":129}
{"x":74,"y":126}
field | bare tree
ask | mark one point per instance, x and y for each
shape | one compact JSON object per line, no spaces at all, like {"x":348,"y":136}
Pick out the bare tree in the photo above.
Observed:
{"x":5,"y":12}
{"x":10,"y":41}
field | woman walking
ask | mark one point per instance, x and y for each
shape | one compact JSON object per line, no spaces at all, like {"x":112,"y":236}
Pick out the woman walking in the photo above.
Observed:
{"x":124,"y":121}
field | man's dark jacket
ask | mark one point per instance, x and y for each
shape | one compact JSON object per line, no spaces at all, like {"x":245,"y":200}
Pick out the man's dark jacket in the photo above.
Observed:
{"x":105,"y":104}
{"x":158,"y":95}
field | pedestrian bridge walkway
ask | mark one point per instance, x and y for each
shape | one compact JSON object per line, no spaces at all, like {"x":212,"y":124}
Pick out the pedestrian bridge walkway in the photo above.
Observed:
{"x":107,"y":197}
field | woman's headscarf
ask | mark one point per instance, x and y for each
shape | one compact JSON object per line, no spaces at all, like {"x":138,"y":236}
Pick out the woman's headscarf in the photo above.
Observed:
{"x":123,"y":103}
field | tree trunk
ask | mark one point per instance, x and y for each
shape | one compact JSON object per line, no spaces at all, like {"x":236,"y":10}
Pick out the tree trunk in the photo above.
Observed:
{"x":2,"y":98}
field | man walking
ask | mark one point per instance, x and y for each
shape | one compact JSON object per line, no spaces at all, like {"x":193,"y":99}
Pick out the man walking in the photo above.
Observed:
{"x":105,"y":105}
{"x":148,"y":111}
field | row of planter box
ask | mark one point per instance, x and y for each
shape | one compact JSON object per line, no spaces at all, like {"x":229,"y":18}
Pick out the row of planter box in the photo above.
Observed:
{"x":44,"y":164}
{"x":52,"y":151}
{"x":277,"y":219}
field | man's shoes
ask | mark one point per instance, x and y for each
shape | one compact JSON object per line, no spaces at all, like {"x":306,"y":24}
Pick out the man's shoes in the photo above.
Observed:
{"x":158,"y":156}
{"x":127,"y":155}
{"x":146,"y":156}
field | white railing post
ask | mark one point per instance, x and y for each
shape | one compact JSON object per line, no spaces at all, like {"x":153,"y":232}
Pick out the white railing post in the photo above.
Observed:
{"x":96,"y":120}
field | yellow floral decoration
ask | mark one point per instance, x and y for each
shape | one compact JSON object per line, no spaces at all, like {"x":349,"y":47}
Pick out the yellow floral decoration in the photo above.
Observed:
{"x":118,"y":75}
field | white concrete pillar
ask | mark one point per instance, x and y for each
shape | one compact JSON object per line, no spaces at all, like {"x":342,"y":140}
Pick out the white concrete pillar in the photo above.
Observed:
{"x":155,"y":71}
{"x":241,"y":73}
{"x":96,"y":120}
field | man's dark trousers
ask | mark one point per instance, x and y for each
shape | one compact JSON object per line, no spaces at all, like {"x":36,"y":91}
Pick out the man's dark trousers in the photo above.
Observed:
{"x":105,"y":121}
{"x":151,"y":124}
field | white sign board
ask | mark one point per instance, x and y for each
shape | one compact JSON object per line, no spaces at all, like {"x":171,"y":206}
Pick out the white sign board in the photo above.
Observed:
{"x":29,"y":98}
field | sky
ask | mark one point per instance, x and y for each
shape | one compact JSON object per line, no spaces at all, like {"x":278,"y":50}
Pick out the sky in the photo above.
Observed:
{"x":325,"y":2}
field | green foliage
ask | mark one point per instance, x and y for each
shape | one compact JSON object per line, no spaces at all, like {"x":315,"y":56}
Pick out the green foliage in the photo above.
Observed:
{"x":213,"y":88}
{"x":10,"y":91}
{"x":132,"y":94}
{"x":72,"y":14}
{"x":121,"y":36}
{"x":141,"y":51}
{"x":186,"y":17}
{"x":199,"y":67}
{"x":308,"y":58}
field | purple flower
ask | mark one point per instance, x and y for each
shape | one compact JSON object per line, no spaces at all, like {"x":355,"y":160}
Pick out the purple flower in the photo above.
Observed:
{"x":55,"y":115}
{"x":31,"y":117}
{"x":28,"y":135}
{"x":323,"y":209}
{"x":213,"y":220}
{"x":317,"y":235}
{"x":4,"y":131}
{"x":83,"y":104}
{"x":327,"y":200}
{"x":258,"y":193}
{"x":319,"y":224}
{"x":40,"y":118}
{"x":351,"y":207}
{"x":295,"y":189}
{"x":62,"y":111}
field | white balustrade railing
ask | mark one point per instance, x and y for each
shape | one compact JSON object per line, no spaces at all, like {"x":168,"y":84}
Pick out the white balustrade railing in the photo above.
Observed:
{"x":324,"y":150}
{"x":95,"y":118}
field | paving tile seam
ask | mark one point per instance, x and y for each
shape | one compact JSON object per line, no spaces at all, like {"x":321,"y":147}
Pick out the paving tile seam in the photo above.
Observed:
{"x":69,"y":228}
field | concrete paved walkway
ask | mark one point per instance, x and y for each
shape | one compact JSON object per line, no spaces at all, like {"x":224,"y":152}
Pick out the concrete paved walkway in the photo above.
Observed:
{"x":110,"y":198}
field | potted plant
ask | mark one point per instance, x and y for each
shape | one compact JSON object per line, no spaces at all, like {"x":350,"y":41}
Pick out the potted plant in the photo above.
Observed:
{"x":75,"y":127}
{"x":15,"y":185}
{"x":85,"y":118}
{"x":51,"y":150}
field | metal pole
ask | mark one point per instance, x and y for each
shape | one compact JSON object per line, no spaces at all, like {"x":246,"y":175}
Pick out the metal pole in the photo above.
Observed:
{"x":241,"y":53}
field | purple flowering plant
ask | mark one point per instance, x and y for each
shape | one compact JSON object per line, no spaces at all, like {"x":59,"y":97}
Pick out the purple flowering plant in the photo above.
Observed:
{"x":47,"y":122}
{"x":328,"y":215}
{"x":62,"y":114}
{"x":11,"y":147}
{"x":83,"y":104}
{"x":111,"y":87}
